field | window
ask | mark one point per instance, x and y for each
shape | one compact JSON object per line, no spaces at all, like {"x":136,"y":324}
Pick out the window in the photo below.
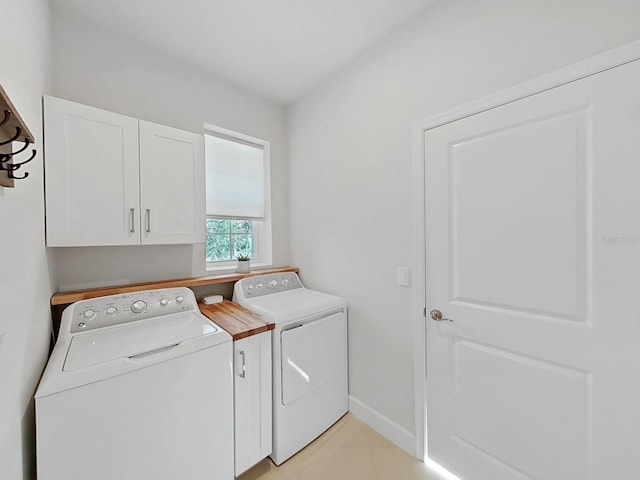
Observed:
{"x":228,"y":238}
{"x":238,"y":198}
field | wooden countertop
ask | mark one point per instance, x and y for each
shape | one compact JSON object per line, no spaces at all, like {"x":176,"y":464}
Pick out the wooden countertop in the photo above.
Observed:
{"x":63,"y":298}
{"x":236,"y":320}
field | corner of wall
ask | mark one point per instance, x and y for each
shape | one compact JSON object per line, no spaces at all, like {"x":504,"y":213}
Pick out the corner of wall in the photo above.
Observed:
{"x":386,"y":427}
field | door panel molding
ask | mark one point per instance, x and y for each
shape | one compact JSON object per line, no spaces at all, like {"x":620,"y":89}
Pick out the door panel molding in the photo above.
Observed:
{"x":567,"y":400}
{"x":518,"y":153}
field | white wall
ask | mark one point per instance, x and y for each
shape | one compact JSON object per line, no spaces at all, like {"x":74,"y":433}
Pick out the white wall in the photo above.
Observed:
{"x":100,"y":68}
{"x":350,"y":157}
{"x":24,"y":275}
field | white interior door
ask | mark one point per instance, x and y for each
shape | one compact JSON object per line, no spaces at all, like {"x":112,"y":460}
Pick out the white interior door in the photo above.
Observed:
{"x":533,"y":250}
{"x":172,"y":183}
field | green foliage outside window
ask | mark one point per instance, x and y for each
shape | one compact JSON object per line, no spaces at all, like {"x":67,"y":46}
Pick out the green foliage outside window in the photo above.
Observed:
{"x":228,"y":238}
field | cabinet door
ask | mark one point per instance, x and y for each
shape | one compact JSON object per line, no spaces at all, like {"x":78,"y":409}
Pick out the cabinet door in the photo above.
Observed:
{"x":252,"y":388}
{"x":172,"y":185}
{"x":92,"y":177}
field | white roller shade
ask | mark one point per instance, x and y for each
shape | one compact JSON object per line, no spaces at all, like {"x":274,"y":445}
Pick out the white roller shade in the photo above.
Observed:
{"x":235,"y":178}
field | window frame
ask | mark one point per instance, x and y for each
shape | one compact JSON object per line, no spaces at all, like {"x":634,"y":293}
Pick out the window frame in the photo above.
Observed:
{"x":262,"y":232}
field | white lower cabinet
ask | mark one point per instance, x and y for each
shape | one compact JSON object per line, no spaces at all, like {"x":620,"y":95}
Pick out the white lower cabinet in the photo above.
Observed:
{"x":252,"y":389}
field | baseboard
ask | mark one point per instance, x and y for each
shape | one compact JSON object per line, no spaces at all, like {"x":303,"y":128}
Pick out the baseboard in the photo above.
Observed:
{"x":383,"y":425}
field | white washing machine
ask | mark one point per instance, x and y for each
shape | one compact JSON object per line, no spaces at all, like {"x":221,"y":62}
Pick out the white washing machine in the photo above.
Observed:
{"x":139,"y":386}
{"x":310,"y":382}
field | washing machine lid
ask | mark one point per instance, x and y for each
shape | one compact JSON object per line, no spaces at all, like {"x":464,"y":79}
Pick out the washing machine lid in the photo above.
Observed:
{"x":292,"y":305}
{"x":136,"y":340}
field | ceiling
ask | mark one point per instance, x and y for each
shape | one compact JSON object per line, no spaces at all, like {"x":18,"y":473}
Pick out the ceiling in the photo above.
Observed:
{"x":279,"y":49}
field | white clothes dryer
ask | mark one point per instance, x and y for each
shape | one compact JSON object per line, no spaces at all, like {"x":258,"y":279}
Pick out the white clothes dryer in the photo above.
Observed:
{"x":310,"y":362}
{"x":138,"y":386}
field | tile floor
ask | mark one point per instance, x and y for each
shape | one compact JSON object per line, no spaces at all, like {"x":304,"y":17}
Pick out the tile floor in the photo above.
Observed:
{"x":349,"y":450}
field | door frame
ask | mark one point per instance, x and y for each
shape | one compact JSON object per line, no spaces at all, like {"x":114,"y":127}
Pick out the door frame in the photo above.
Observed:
{"x":599,"y":63}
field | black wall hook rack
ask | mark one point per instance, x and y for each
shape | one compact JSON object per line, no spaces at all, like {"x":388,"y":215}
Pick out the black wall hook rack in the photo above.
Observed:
{"x":12,"y":130}
{"x":10,"y":168}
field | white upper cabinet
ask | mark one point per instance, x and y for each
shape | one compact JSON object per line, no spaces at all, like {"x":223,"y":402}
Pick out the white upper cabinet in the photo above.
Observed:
{"x":114,"y":180}
{"x":171,"y":185}
{"x":92,"y":176}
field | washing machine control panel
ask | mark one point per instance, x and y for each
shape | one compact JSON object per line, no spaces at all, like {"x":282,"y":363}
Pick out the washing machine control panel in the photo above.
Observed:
{"x":252,"y":287}
{"x":116,"y":309}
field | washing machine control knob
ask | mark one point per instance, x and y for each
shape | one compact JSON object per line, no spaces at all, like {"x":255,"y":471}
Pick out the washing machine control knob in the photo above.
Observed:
{"x":89,"y":313}
{"x":273,"y":283}
{"x":111,"y":310}
{"x":259,"y":285}
{"x":164,"y":301}
{"x":179,"y":299}
{"x":139,"y":307}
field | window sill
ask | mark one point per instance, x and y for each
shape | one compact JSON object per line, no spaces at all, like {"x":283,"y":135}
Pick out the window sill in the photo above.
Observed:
{"x":213,"y":268}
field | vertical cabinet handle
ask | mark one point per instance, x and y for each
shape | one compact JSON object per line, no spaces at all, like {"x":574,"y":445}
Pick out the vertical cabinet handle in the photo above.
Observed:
{"x":148,"y":220}
{"x":244,"y":365}
{"x":132,"y":225}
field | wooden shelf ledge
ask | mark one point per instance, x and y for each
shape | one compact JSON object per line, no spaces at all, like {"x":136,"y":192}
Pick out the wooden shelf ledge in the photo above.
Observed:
{"x":64,"y":298}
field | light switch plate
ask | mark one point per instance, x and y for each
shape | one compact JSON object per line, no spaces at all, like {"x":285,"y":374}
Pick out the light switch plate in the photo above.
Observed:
{"x":404,"y":278}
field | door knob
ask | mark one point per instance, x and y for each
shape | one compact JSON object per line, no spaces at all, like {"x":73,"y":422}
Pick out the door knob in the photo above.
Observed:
{"x":437,"y":316}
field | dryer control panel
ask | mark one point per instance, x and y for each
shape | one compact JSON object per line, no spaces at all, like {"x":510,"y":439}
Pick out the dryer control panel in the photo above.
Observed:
{"x":252,"y":287}
{"x":116,"y":309}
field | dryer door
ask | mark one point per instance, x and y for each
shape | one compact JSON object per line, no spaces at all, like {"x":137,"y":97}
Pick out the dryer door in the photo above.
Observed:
{"x":312,"y":354}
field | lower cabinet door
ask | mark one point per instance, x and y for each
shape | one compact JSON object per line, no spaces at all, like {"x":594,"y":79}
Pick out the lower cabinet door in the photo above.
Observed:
{"x":252,"y":388}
